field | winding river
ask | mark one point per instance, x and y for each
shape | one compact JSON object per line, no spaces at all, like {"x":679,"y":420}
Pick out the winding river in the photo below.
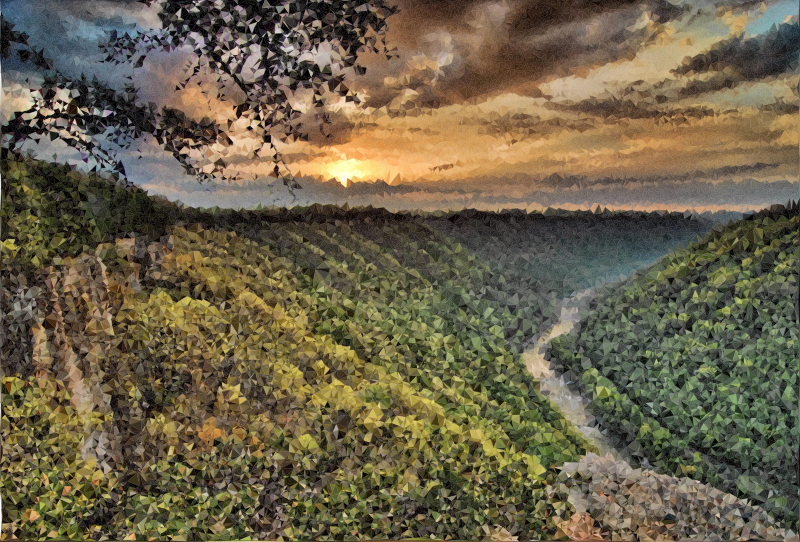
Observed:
{"x":555,"y":386}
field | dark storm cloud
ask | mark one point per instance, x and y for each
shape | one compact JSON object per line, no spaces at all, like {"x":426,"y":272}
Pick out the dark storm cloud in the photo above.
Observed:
{"x":717,"y":82}
{"x":613,"y":109}
{"x":534,"y":14}
{"x":455,"y":50}
{"x":538,"y":14}
{"x":529,"y":55}
{"x":768,"y":54}
{"x":522,"y":126}
{"x":657,"y":101}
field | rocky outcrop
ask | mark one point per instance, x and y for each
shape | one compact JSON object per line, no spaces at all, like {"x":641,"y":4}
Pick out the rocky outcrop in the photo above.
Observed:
{"x":60,"y":329}
{"x":21,"y":307}
{"x":615,"y":502}
{"x":71,"y":340}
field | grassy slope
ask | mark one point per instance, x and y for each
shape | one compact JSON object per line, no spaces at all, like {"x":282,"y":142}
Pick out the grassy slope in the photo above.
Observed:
{"x":694,"y":360}
{"x":275,"y":375}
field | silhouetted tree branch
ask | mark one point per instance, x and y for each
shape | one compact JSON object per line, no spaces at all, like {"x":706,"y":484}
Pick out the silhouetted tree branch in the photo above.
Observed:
{"x":267,"y":48}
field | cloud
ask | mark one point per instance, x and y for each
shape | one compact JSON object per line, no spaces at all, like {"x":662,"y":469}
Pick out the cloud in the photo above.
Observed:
{"x":632,"y":193}
{"x":735,"y":72}
{"x":455,"y":51}
{"x":513,"y":101}
{"x":756,"y":57}
{"x":635,"y":105}
{"x":69,"y":30}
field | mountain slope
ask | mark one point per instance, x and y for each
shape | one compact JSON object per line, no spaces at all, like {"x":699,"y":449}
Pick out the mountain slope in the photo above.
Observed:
{"x":693,"y":361}
{"x":172,"y":373}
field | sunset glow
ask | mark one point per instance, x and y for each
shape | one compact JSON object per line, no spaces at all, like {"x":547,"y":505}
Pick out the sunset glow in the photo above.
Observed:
{"x":345,"y":170}
{"x":477,"y":104}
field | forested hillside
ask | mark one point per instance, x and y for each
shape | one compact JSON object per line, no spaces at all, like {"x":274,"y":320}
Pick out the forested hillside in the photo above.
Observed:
{"x":171,"y":373}
{"x":694,"y":361}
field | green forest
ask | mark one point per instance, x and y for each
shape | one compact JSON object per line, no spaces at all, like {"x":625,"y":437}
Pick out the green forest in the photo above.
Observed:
{"x":322,"y":373}
{"x":694,"y":361}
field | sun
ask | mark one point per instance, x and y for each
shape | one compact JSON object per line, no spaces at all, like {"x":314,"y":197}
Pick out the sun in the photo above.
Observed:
{"x":345,"y":171}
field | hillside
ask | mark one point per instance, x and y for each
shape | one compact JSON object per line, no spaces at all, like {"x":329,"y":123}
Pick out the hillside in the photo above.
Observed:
{"x":693,"y":361}
{"x":305,"y":373}
{"x":171,"y":373}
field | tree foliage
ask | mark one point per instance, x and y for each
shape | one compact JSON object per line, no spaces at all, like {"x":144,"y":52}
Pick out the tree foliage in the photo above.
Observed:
{"x":296,"y":374}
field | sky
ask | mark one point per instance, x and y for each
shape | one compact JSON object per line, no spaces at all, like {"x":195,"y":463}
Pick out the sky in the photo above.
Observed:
{"x":651,"y":105}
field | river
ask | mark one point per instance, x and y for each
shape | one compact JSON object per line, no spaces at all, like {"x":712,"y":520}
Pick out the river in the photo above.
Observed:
{"x":555,"y":386}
